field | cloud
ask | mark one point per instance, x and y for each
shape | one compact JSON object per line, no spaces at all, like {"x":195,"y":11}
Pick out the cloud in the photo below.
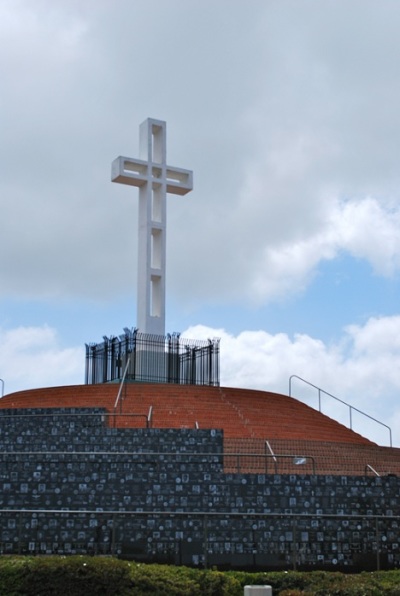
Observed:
{"x":32,"y":357}
{"x":282,"y":112}
{"x":368,"y":230}
{"x":288,"y":115}
{"x":360,"y":369}
{"x":364,"y":229}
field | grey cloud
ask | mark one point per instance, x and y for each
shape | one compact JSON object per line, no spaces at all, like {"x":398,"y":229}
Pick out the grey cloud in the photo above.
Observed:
{"x":280,"y":109}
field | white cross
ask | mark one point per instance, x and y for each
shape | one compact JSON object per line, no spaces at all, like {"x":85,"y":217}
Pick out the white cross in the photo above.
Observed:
{"x":155,"y":179}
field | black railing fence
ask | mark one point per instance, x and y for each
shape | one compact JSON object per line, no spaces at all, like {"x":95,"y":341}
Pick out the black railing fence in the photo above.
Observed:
{"x":153,"y":359}
{"x":202,"y":538}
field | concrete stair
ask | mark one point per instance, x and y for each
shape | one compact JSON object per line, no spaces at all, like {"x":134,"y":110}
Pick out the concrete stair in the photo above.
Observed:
{"x":248,"y":419}
{"x":325,"y":458}
{"x":239,"y":412}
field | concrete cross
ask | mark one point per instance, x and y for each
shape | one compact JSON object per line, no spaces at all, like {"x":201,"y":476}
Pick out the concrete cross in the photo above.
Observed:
{"x":155,"y":179}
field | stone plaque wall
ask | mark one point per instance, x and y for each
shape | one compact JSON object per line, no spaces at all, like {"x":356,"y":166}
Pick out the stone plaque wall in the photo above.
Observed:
{"x":69,"y":484}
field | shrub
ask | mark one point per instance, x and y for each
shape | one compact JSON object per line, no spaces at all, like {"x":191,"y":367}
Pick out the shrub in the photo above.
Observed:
{"x":80,"y":576}
{"x":105,"y":576}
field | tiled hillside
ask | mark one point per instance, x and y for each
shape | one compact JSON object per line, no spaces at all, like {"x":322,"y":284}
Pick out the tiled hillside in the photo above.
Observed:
{"x":248,"y":419}
{"x":240,"y":413}
{"x":302,"y":456}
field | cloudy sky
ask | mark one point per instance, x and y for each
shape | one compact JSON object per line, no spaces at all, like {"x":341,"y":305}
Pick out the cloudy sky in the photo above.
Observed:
{"x":288,"y":248}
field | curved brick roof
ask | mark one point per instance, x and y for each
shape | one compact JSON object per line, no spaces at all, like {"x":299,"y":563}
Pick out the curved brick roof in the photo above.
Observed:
{"x":248,"y":418}
{"x":241,"y":413}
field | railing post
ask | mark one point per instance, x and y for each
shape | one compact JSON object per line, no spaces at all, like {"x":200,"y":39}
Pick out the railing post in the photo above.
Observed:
{"x":294,"y":544}
{"x":377,"y":537}
{"x":19,"y":531}
{"x":351,"y":408}
{"x":120,"y":390}
{"x":113,"y":531}
{"x":205,"y":539}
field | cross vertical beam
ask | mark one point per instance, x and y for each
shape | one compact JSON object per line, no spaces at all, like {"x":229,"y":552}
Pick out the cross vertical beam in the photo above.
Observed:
{"x":155,"y":179}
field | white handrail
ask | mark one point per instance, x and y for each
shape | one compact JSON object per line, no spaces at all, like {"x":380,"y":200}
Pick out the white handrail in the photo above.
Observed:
{"x":270,"y":450}
{"x":122,"y":383}
{"x":351,"y":408}
{"x":368,"y":467}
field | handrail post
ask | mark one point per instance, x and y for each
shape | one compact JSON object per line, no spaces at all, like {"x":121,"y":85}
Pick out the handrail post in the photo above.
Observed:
{"x":120,"y":389}
{"x":205,"y":539}
{"x":294,"y":544}
{"x":267,"y":444}
{"x":113,"y":532}
{"x":369,"y":467}
{"x":377,"y":537}
{"x":351,"y":408}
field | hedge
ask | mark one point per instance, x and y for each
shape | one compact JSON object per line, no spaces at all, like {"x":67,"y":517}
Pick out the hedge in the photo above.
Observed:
{"x":106,"y":576}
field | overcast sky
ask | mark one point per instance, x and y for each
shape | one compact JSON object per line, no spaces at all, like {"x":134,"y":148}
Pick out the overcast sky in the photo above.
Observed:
{"x":288,"y":248}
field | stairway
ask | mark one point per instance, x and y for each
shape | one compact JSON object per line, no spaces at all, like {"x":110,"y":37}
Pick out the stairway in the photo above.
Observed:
{"x":248,"y":419}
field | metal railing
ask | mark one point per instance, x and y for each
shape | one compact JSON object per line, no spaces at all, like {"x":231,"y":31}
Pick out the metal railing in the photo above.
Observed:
{"x":237,"y":463}
{"x":296,"y":550}
{"x":103,"y":416}
{"x":268,"y":446}
{"x":351,"y":408}
{"x":150,"y":417}
{"x":369,"y":467}
{"x":153,"y":359}
{"x":156,"y":458}
{"x":251,"y":461}
{"x":121,"y":386}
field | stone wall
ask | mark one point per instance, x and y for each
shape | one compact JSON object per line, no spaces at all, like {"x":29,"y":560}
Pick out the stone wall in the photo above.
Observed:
{"x":71,"y":485}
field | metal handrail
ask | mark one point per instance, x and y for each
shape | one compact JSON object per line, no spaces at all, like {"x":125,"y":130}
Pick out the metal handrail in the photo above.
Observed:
{"x":351,"y":408}
{"x":369,"y":467}
{"x":122,"y":384}
{"x":157,"y":458}
{"x":55,"y":414}
{"x":183,"y":455}
{"x":128,"y":415}
{"x":265,"y":456}
{"x":102,"y":414}
{"x":150,"y":417}
{"x":378,"y":546}
{"x":267,"y":444}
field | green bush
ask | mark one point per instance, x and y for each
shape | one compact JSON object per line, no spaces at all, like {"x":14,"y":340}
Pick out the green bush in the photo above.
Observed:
{"x":176,"y":581}
{"x":105,"y":576}
{"x":78,"y":576}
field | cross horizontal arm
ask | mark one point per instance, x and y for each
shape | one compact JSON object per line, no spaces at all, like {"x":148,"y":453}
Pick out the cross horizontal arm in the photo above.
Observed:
{"x":179,"y":181}
{"x":136,"y":172}
{"x":129,"y":171}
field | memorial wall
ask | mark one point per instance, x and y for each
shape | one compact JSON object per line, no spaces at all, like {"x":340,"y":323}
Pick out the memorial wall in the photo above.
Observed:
{"x":70,"y":484}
